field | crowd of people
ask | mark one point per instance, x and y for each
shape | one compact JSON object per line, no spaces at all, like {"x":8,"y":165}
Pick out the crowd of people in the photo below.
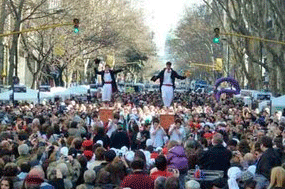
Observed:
{"x":66,"y":145}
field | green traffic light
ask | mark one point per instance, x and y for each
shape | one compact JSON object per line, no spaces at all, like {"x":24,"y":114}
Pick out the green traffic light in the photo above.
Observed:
{"x":76,"y":30}
{"x":216,"y":40}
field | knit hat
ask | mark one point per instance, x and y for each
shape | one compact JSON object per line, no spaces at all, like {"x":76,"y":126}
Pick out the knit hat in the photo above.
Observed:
{"x":64,"y":151}
{"x":88,"y":154}
{"x":208,"y":135}
{"x":192,"y":184}
{"x":124,"y":149}
{"x":100,"y":142}
{"x":158,"y":149}
{"x":234,"y":173}
{"x":149,"y":142}
{"x":87,"y":143}
{"x":129,"y":156}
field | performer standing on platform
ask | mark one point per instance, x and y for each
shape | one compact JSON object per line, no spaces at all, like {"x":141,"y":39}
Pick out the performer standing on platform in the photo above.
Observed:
{"x":167,"y":83}
{"x":108,"y":81}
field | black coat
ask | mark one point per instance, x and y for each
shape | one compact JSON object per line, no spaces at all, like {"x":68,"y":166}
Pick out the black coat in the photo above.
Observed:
{"x":216,"y":158}
{"x":174,"y":75}
{"x":112,"y":72}
{"x":269,"y":159}
{"x":105,"y":139}
{"x":119,"y":139}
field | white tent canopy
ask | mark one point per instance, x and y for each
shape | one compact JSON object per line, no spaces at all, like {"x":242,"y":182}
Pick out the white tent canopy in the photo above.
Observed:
{"x":277,"y":104}
{"x":30,"y":95}
{"x":78,"y":90}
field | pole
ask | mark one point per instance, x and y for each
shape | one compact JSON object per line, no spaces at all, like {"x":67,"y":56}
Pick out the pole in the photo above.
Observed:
{"x":13,"y":93}
{"x":255,"y":38}
{"x":43,"y":27}
{"x":228,"y":58}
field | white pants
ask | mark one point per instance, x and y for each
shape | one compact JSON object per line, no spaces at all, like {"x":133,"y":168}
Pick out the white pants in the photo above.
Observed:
{"x":107,"y":92}
{"x":167,"y":95}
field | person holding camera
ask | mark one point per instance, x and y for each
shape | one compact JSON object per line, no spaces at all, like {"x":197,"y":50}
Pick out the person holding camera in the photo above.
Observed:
{"x":177,"y":131}
{"x":157,"y":133}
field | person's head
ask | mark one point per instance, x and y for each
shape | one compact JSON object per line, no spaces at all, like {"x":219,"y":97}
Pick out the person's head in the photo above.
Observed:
{"x":73,"y":125}
{"x":99,"y":153}
{"x":155,"y":122}
{"x":23,"y":149}
{"x":11,"y":170}
{"x":161,"y":163}
{"x":35,"y":178}
{"x":104,"y":177}
{"x":172,"y":144}
{"x":63,"y":169}
{"x":89,"y":176}
{"x":100,"y":131}
{"x":6,"y":183}
{"x":168,"y":65}
{"x":107,"y":67}
{"x":217,"y":139}
{"x":277,"y":178}
{"x":25,"y":167}
{"x":232,"y":145}
{"x":250,"y":184}
{"x":116,"y":117}
{"x":77,"y":143}
{"x":172,"y":182}
{"x":110,"y":155}
{"x":140,"y":155}
{"x":159,"y":183}
{"x":178,"y":123}
{"x":192,"y":184}
{"x":138,"y":164}
{"x":249,"y":158}
{"x":266,"y":142}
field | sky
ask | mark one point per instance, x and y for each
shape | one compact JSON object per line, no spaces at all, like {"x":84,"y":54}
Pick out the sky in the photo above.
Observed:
{"x":163,"y":15}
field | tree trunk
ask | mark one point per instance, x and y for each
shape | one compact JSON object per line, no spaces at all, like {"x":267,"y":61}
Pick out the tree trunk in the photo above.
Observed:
{"x":2,"y":21}
{"x":34,"y":81}
{"x":13,"y":52}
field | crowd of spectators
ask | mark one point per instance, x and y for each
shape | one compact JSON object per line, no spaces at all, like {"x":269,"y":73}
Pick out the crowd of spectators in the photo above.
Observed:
{"x":65,"y":144}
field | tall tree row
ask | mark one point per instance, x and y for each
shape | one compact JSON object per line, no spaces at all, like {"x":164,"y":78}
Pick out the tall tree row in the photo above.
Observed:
{"x":250,"y":60}
{"x":106,"y":28}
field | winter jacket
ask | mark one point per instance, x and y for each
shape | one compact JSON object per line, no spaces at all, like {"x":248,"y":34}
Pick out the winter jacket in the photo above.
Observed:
{"x":177,"y":159}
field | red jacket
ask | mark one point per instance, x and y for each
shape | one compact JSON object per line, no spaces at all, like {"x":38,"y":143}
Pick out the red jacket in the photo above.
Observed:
{"x":158,"y":173}
{"x":138,"y":180}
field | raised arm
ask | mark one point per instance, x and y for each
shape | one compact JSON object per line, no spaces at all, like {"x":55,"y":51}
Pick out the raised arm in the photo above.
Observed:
{"x":154,"y":78}
{"x":97,"y":72}
{"x":179,"y":76}
{"x":117,"y":71}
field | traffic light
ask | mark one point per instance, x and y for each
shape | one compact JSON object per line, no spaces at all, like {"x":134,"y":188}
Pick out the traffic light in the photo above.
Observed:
{"x":76,"y":25}
{"x":217,"y":35}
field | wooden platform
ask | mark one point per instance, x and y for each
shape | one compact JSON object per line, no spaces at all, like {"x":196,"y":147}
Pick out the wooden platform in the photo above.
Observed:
{"x":106,"y":114}
{"x":166,"y":120}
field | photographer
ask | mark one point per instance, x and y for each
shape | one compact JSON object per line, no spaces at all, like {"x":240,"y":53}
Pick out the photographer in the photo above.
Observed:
{"x":177,"y":131}
{"x":157,"y":133}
